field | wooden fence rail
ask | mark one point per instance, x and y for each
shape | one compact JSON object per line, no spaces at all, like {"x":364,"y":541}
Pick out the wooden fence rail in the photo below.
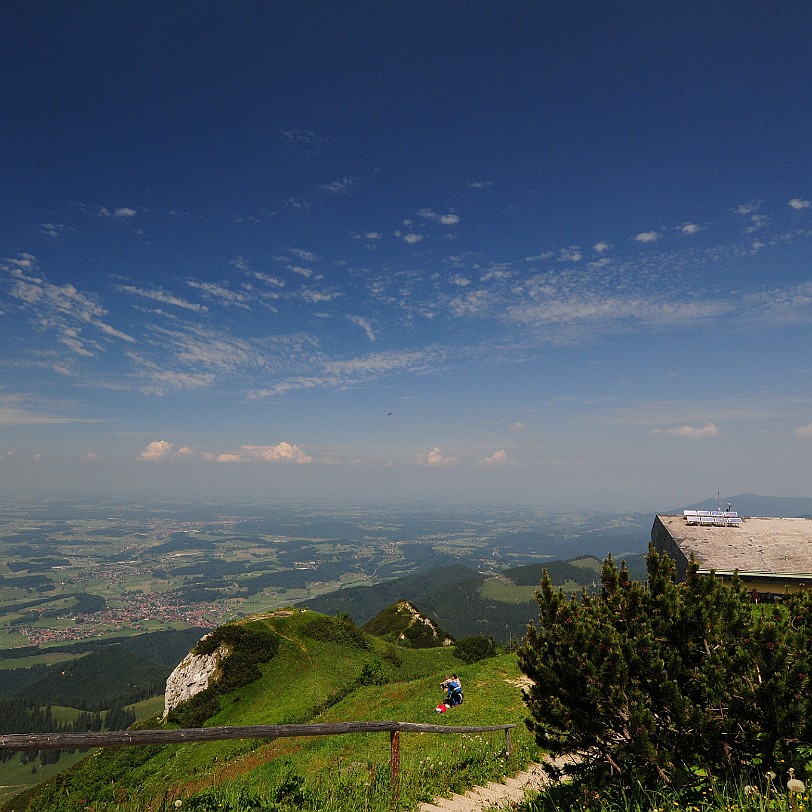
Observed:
{"x":130,"y":738}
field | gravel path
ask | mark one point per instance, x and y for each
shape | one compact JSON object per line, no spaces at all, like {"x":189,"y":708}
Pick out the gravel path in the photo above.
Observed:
{"x":504,"y":795}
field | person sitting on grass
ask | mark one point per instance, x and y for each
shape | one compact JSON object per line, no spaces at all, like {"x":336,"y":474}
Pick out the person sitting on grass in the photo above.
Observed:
{"x":453,"y":688}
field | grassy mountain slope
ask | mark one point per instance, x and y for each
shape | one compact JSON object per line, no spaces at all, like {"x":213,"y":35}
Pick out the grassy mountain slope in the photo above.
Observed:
{"x":312,"y":680}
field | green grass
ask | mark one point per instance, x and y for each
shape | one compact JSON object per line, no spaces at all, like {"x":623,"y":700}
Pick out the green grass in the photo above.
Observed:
{"x":342,"y":773}
{"x":147,"y":708}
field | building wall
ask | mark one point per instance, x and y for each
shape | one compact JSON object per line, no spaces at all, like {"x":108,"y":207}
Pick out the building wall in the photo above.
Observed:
{"x":664,"y":543}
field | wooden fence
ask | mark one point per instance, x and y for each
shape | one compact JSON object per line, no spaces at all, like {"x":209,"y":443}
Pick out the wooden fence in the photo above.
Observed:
{"x":130,"y":738}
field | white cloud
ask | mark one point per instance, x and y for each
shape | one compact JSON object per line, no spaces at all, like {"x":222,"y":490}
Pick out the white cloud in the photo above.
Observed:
{"x":478,"y":184}
{"x":307,"y":273}
{"x":518,"y":426}
{"x":158,"y":450}
{"x":305,"y":256}
{"x":647,"y":236}
{"x":758,"y":221}
{"x":570,"y":254}
{"x":690,"y":228}
{"x":497,"y":458}
{"x":273,"y":281}
{"x":318,"y":296}
{"x":91,"y":456}
{"x":411,"y":239}
{"x":691,"y":432}
{"x":435,"y":458}
{"x":365,"y":325}
{"x":798,"y":204}
{"x":283,"y":452}
{"x":444,"y":219}
{"x":121,"y":211}
{"x":460,"y":281}
{"x":373,"y":235}
{"x":746,"y":209}
{"x":470,"y":304}
{"x":804,"y":431}
{"x":601,"y":247}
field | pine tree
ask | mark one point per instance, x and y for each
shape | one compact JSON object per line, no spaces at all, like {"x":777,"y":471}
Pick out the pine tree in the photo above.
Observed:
{"x":654,"y":680}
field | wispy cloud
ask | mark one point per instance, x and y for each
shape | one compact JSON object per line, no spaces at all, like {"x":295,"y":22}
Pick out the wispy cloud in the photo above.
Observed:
{"x":221,"y":294}
{"x":14,"y":416}
{"x":53,"y":229}
{"x":804,"y":431}
{"x":339,"y":187}
{"x":798,"y":204}
{"x":647,"y":236}
{"x":365,"y":324}
{"x":162,"y":296}
{"x":335,"y":373}
{"x":691,"y":432}
{"x":63,"y":309}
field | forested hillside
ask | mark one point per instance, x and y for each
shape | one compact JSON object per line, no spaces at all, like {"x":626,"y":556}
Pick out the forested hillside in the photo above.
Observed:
{"x":466,"y":603}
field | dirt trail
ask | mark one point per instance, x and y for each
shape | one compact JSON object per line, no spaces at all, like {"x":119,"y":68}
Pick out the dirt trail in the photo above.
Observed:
{"x":504,"y":795}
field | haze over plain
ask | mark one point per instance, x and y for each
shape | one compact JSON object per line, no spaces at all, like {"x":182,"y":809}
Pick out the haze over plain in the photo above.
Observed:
{"x":459,"y":251}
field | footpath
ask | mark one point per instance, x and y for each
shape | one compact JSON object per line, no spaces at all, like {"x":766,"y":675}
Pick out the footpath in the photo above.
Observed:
{"x":504,"y":795}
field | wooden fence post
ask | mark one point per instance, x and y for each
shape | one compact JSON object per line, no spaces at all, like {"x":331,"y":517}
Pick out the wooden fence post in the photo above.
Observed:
{"x":508,"y":743}
{"x":394,"y":763}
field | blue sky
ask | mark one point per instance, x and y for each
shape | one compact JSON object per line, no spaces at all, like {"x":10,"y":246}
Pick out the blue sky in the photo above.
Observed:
{"x":539,"y":253}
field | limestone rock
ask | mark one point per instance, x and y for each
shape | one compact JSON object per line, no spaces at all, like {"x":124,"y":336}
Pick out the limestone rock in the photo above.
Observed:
{"x":192,"y":676}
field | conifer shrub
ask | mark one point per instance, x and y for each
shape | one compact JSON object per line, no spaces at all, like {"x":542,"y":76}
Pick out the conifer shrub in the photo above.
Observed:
{"x":656,"y":681}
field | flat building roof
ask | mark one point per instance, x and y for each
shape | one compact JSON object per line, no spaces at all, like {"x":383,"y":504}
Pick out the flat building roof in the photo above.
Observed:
{"x":758,"y":546}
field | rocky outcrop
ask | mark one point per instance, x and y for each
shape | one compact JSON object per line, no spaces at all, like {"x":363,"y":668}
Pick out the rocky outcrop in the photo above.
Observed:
{"x":193,"y":675}
{"x":404,"y":622}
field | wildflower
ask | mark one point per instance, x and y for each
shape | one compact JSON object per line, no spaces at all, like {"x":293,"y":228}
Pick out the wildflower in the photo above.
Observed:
{"x":178,"y":803}
{"x":794,"y":784}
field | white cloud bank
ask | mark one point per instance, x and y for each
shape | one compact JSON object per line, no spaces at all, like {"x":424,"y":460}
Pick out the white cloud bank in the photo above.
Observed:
{"x":283,"y":452}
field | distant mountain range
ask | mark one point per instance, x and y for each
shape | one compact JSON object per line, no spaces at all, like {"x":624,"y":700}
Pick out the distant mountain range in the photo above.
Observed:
{"x":751,"y":504}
